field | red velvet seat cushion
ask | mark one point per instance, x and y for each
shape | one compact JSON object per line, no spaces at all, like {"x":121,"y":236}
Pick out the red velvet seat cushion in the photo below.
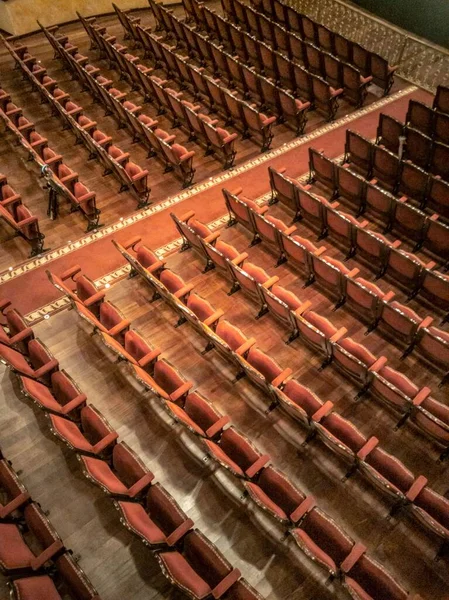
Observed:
{"x":320,"y":323}
{"x":226,"y":249}
{"x":359,"y":351}
{"x":263,"y":363}
{"x":292,"y":301}
{"x":256,"y":272}
{"x":171,"y":281}
{"x":14,"y":552}
{"x":199,"y":228}
{"x":302,"y":397}
{"x":101,"y":472}
{"x":230,"y":334}
{"x":36,"y":588}
{"x":139,"y":520}
{"x":183,"y":574}
{"x":40,"y":393}
{"x":70,"y":432}
{"x":223,"y":457}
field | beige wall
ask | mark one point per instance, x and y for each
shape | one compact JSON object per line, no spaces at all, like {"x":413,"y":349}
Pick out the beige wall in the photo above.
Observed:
{"x":19,"y":16}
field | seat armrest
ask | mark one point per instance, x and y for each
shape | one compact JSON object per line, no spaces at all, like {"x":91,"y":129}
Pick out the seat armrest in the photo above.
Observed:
{"x":14,"y":504}
{"x":289,"y":230}
{"x":323,"y":411}
{"x":416,"y":488}
{"x":131,"y":243}
{"x":280,"y":379}
{"x":184,"y":291}
{"x":159,"y":264}
{"x":217,"y":426}
{"x":119,"y":327}
{"x":140,"y":175}
{"x":426,"y":322}
{"x":181,"y":391}
{"x":109,"y":439}
{"x":4,"y":304}
{"x":270,"y":282}
{"x":389,"y":296}
{"x":237,"y":191}
{"x":396,"y":244}
{"x":214,"y":318}
{"x":224,"y":585}
{"x":98,"y":297}
{"x":71,"y":272}
{"x":179,"y":532}
{"x":22,"y":335}
{"x":140,"y":485}
{"x":261,"y":462}
{"x":367,"y":447}
{"x":211,"y":238}
{"x":245,"y":347}
{"x":378,"y":365}
{"x":39,"y":561}
{"x":148,"y":358}
{"x":263,"y":209}
{"x":238,"y":260}
{"x":353,"y":273}
{"x":357,"y":551}
{"x":338,"y":334}
{"x":305,"y":507}
{"x":74,"y":403}
{"x":421,"y":396}
{"x":52,"y":364}
{"x":320,"y":251}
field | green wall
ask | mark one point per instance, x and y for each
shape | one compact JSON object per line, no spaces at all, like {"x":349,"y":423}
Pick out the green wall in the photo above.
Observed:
{"x":426,"y":18}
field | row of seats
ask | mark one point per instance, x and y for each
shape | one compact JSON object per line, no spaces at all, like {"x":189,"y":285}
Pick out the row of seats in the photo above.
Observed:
{"x":316,"y":533}
{"x":186,"y":557}
{"x":429,"y":121}
{"x":396,"y":320}
{"x":268,"y":64}
{"x":389,"y":385}
{"x":368,"y":62}
{"x":391,"y":174}
{"x":427,"y":189}
{"x":238,"y":112}
{"x":18,"y":216}
{"x":64,"y":182}
{"x":100,"y":146}
{"x":144,"y":129}
{"x":338,"y":73}
{"x":397,"y":214}
{"x":38,"y":564}
{"x":413,"y":145}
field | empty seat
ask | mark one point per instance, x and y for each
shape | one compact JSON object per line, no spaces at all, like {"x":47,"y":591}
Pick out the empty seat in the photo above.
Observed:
{"x":92,"y":436}
{"x":63,"y":397}
{"x":38,"y":363}
{"x":15,"y":496}
{"x":198,"y":415}
{"x":125,"y":475}
{"x":237,"y":454}
{"x":198,"y":567}
{"x":157,"y":519}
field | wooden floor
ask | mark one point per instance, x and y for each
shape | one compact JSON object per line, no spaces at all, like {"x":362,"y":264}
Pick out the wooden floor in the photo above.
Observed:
{"x":24,"y":175}
{"x":118,"y":564}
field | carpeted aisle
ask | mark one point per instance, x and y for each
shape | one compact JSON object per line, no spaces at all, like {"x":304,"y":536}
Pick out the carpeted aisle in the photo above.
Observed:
{"x":32,"y":289}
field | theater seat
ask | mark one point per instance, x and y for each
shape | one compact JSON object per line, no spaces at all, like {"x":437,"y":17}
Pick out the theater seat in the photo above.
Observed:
{"x":63,"y":397}
{"x":198,"y":568}
{"x":92,"y":436}
{"x":198,"y":415}
{"x":165,"y":381}
{"x":14,"y":495}
{"x":15,"y":331}
{"x":39,"y":363}
{"x":157,"y":519}
{"x":236,"y":453}
{"x":16,"y":554}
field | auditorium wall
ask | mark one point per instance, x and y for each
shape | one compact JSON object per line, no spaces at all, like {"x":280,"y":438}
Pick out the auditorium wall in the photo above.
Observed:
{"x":19,"y":16}
{"x":426,"y":18}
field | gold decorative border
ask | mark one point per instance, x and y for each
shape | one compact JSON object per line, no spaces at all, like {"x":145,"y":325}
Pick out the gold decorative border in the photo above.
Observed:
{"x":115,"y":276}
{"x":25,"y":267}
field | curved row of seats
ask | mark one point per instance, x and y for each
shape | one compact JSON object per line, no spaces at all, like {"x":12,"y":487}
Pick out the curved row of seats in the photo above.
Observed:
{"x":314,"y":531}
{"x":100,"y":146}
{"x":238,"y":112}
{"x":186,"y":557}
{"x":353,"y":79}
{"x":413,"y":145}
{"x":425,"y":230}
{"x":371,"y":303}
{"x":39,"y":566}
{"x":18,"y":216}
{"x":61,"y":182}
{"x":266,"y":65}
{"x":368,"y":371}
{"x":333,"y":42}
{"x":200,"y":126}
